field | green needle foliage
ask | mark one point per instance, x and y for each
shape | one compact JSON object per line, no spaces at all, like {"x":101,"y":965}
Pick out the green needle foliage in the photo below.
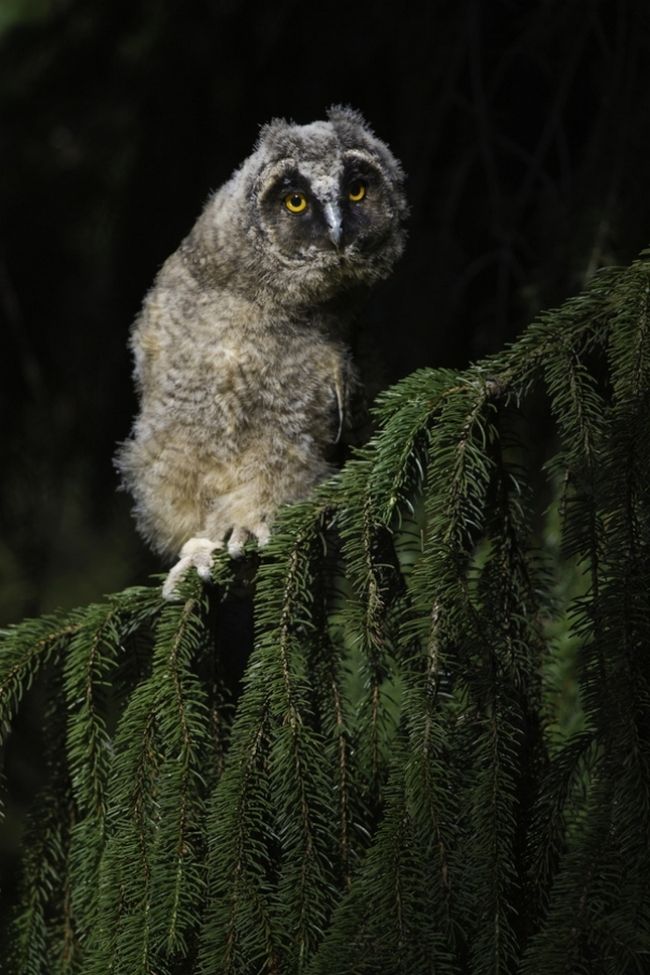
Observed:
{"x":392,"y":787}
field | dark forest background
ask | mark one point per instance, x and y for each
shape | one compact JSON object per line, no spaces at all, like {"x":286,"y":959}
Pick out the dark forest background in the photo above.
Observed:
{"x":523,"y":128}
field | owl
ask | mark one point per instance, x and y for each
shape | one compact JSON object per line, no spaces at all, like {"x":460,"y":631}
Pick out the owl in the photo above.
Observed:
{"x":242,"y":362}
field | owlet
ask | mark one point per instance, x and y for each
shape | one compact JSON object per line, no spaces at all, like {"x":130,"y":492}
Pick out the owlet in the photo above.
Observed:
{"x":242,"y":366}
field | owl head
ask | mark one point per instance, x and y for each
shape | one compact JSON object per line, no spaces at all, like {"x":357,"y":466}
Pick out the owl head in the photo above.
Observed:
{"x":316,"y":209}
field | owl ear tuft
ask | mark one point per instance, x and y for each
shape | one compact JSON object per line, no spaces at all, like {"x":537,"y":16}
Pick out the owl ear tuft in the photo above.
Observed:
{"x":271,"y":131}
{"x":348,"y":118}
{"x":353,"y":129}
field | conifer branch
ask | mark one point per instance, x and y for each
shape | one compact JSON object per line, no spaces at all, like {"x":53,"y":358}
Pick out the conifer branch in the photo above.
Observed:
{"x":389,"y":793}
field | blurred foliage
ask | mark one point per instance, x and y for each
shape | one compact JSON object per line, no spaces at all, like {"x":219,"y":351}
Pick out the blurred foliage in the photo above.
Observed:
{"x":14,"y":12}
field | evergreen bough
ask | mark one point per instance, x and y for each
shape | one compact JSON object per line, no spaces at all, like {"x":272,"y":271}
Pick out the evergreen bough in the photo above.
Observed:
{"x":391,"y":790}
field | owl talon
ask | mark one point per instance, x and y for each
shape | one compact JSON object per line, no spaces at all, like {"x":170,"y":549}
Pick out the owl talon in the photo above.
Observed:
{"x":236,"y":542}
{"x":196,"y":554}
{"x":239,"y":536}
{"x":262,"y":533}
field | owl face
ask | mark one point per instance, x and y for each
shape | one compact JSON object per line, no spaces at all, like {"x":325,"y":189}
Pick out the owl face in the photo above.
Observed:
{"x":311,"y":211}
{"x":327,"y":206}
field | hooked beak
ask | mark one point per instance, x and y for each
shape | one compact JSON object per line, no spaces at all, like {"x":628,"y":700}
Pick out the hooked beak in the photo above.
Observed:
{"x":333,"y":218}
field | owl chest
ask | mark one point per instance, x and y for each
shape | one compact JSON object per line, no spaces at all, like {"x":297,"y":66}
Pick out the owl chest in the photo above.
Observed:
{"x":288,"y":386}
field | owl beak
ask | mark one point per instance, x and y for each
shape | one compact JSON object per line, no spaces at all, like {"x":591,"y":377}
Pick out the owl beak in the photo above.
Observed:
{"x":333,"y":218}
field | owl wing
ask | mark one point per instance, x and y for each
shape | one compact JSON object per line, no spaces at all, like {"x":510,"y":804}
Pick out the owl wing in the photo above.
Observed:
{"x":350,"y":418}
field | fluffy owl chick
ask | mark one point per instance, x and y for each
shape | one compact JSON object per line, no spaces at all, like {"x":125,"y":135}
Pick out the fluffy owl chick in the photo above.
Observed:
{"x":244,"y":375}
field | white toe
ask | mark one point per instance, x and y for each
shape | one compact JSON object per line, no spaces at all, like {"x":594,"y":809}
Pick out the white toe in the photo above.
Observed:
{"x":236,"y":542}
{"x":174,"y":576}
{"x":262,"y":533}
{"x":197,"y":554}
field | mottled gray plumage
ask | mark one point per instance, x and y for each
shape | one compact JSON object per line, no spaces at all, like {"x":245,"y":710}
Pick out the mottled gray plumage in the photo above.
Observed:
{"x":241,"y":362}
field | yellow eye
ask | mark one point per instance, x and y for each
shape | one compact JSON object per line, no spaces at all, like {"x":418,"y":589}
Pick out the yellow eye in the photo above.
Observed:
{"x":295,"y":202}
{"x":356,"y":191}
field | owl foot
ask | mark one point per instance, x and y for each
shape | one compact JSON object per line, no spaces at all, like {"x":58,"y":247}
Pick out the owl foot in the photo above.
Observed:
{"x":239,"y":536}
{"x":195,"y":554}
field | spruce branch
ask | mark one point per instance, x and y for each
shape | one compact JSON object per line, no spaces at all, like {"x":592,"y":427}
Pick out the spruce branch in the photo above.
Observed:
{"x":388,"y":793}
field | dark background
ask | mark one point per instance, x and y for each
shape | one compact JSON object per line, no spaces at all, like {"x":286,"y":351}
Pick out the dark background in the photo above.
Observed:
{"x":523,"y":128}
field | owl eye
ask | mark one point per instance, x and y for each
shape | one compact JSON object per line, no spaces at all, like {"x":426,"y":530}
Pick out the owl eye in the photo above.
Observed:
{"x":295,"y":202}
{"x":356,"y":190}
